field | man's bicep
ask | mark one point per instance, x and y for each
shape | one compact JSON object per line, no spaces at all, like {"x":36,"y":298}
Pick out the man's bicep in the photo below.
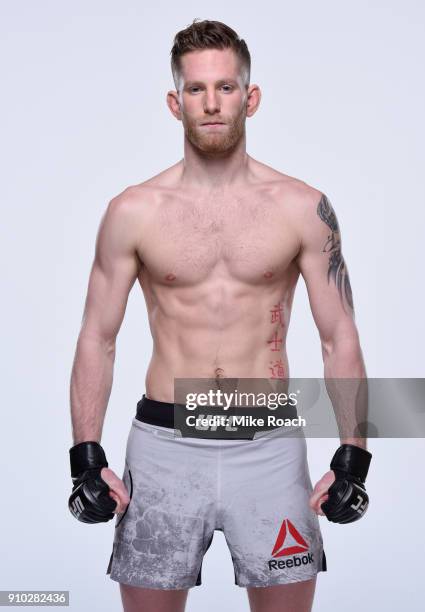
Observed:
{"x":324,"y":270}
{"x":114,"y":271}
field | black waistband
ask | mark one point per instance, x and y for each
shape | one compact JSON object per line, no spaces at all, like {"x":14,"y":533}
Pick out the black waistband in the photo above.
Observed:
{"x":155,"y":413}
{"x":162,"y":413}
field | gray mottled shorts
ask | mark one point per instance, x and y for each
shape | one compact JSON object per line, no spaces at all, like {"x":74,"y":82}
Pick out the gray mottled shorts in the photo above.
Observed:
{"x":183,"y":489}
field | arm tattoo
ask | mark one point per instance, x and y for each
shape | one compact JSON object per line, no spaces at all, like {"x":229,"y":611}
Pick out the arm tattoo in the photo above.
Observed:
{"x":337,"y":270}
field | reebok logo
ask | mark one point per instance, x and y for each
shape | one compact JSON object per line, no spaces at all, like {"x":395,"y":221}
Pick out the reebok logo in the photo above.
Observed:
{"x":300,"y":546}
{"x":288,"y":526}
{"x":293,"y":562}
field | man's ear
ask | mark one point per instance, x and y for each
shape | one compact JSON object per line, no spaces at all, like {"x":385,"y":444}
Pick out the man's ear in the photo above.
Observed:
{"x":174,"y":104}
{"x":253,"y":99}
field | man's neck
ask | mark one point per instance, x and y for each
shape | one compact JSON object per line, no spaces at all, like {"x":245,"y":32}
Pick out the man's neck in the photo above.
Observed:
{"x":208,"y":172}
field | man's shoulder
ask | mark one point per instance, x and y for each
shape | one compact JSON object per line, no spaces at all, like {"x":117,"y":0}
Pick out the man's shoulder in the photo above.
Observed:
{"x":288,"y":188}
{"x":297,"y":198}
{"x":144,"y":196}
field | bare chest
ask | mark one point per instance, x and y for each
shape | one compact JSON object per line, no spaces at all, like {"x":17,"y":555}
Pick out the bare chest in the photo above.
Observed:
{"x":244,"y":238}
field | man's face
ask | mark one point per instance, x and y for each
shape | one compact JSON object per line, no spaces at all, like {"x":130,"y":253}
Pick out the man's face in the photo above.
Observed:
{"x":212,"y":96}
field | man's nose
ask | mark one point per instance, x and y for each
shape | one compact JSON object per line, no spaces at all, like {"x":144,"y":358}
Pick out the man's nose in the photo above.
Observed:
{"x":211,"y":101}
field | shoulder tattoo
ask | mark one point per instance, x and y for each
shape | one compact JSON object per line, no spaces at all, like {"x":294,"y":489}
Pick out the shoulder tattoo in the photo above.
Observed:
{"x":337,"y":270}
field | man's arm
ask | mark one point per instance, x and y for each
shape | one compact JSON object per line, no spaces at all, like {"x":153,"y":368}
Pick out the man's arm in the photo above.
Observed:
{"x":340,"y":494}
{"x":323,"y":268}
{"x":114,"y":270}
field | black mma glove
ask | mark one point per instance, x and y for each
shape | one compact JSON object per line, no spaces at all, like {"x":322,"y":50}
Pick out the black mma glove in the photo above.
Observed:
{"x":348,"y":500}
{"x":90,"y":501}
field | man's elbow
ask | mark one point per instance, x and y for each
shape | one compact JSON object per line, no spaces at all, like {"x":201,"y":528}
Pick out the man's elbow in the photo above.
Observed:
{"x":97,"y":340}
{"x":344,"y":343}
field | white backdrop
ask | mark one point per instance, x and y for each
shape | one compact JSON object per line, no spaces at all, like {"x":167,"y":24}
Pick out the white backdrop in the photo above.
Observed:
{"x":84,"y":116}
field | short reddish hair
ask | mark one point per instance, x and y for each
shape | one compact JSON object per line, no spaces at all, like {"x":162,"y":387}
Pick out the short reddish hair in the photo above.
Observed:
{"x":209,"y":35}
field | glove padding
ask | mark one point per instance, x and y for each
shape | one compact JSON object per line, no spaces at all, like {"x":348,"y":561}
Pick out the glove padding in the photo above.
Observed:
{"x":348,"y":500}
{"x":90,"y":501}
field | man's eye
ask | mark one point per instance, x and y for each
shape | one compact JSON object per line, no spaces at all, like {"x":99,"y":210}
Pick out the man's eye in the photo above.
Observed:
{"x":227,"y":88}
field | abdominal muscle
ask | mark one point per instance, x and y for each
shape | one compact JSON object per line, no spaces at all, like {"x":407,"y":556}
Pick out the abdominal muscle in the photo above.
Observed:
{"x":215,"y":331}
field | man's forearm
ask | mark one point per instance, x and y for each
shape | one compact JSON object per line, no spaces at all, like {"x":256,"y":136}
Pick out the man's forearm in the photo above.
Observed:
{"x":91,"y":383}
{"x":346,"y":383}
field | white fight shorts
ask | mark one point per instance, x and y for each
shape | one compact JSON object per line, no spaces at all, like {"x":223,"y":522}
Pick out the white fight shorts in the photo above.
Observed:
{"x":183,"y":489}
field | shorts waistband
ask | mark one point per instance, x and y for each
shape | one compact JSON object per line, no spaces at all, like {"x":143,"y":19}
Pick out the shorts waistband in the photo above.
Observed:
{"x":155,"y":413}
{"x":161,"y":414}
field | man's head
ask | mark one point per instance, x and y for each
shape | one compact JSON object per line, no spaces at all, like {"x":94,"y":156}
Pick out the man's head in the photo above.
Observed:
{"x":211,"y":68}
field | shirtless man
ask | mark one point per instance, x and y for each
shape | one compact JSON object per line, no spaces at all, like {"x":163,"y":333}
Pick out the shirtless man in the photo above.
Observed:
{"x":216,"y":241}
